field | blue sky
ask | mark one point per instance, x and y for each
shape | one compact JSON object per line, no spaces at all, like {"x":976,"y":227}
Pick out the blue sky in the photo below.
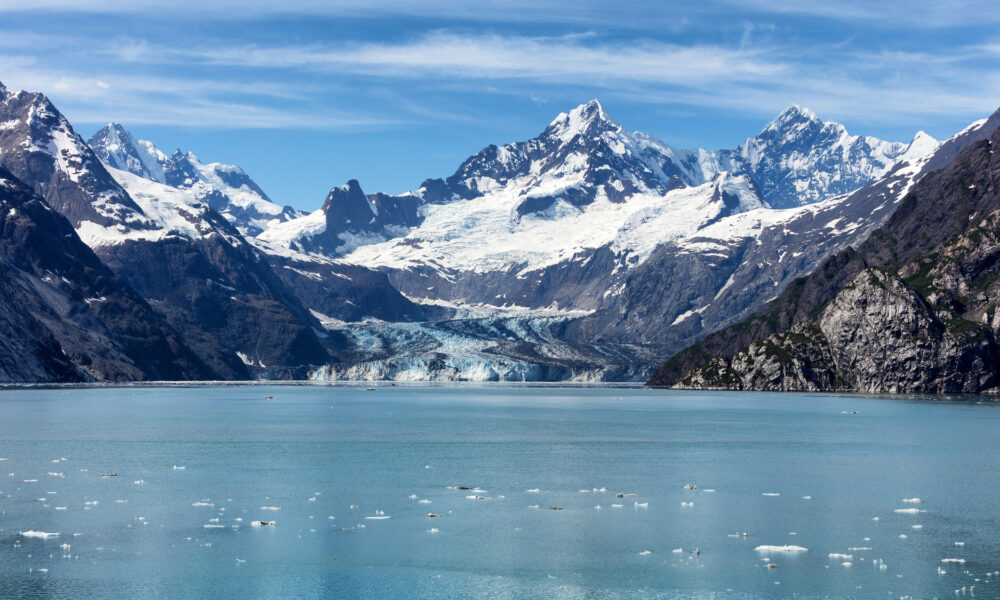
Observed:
{"x":306,"y":94}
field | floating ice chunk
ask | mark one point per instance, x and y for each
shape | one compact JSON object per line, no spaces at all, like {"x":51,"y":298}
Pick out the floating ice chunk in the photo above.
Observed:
{"x":916,"y":526}
{"x":262,"y":523}
{"x":270,"y":508}
{"x":378,"y":518}
{"x":708,"y":491}
{"x":902,"y":536}
{"x":29,"y":480}
{"x":213,"y":526}
{"x":907,"y":511}
{"x":44,"y":535}
{"x":413,"y":496}
{"x":875,"y":518}
{"x":617,"y":505}
{"x":841,"y":556}
{"x":770,"y":494}
{"x":312,"y":499}
{"x":139,"y":482}
{"x":807,"y":497}
{"x":687,"y":503}
{"x":959,"y":543}
{"x":859,"y":549}
{"x":645,"y":553}
{"x":598,"y":507}
{"x":960,"y":561}
{"x":789,"y":548}
{"x":912,"y":500}
{"x":60,"y":508}
{"x":677,"y":550}
{"x":52,"y":474}
{"x":423,"y":501}
{"x":91,"y":503}
{"x":533,"y":506}
{"x":641,"y":504}
{"x":846,"y":563}
{"x":433,"y":530}
{"x":121,"y":501}
{"x":534,"y":491}
{"x":209,"y":504}
{"x":177,"y":468}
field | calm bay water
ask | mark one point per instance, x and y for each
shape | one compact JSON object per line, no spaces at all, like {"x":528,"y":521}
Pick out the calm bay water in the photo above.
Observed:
{"x":789,"y":470}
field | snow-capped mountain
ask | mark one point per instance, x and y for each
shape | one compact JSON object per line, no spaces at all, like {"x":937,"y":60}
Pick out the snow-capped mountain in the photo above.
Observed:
{"x":588,"y":252}
{"x":582,"y":223}
{"x":39,"y":147}
{"x":226,"y":188}
{"x":190,"y":263}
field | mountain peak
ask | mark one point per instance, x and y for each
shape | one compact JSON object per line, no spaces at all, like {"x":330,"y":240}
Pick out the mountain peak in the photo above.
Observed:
{"x":567,"y":125}
{"x":797,"y":112}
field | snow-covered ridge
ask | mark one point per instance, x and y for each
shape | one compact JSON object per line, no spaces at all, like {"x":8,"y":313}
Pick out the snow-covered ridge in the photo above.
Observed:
{"x":487,"y":234}
{"x":174,"y":212}
{"x":227,"y":188}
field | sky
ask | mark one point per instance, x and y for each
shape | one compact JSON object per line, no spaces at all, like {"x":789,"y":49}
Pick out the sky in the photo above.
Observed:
{"x":307,"y":94}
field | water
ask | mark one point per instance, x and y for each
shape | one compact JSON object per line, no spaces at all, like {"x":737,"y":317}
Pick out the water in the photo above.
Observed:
{"x":315,"y":451}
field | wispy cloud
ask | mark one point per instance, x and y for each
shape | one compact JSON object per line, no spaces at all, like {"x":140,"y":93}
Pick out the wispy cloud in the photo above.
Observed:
{"x":746,"y":77}
{"x":219,"y":82}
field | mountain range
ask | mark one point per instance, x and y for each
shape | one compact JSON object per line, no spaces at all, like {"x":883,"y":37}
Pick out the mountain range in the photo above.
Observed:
{"x":586,"y":253}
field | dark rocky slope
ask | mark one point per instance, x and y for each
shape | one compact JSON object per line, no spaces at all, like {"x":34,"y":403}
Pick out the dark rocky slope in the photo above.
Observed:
{"x":912,"y":309}
{"x":73,"y":317}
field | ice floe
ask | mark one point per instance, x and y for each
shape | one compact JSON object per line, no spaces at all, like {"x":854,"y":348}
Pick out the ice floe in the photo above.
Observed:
{"x":44,"y":535}
{"x":788,"y":548}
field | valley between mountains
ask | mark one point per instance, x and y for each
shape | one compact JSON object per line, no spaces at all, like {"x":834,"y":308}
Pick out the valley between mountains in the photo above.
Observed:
{"x":588,"y":253}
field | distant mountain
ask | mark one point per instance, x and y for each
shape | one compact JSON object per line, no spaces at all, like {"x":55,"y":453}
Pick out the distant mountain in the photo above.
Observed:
{"x":226,"y":188}
{"x":600,"y":223}
{"x":910,"y":309}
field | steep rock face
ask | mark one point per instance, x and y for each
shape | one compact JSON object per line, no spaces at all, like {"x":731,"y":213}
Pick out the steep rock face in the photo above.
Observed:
{"x":348,"y":218}
{"x":934,"y":333}
{"x":28,"y":351}
{"x":226,"y":188}
{"x":885,"y":338}
{"x":96,"y":320}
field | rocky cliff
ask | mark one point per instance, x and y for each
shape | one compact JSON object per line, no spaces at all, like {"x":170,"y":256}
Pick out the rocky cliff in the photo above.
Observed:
{"x":912,"y":309}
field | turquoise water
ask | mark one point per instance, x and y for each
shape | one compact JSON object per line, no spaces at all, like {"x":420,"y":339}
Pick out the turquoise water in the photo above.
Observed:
{"x":314,"y":452}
